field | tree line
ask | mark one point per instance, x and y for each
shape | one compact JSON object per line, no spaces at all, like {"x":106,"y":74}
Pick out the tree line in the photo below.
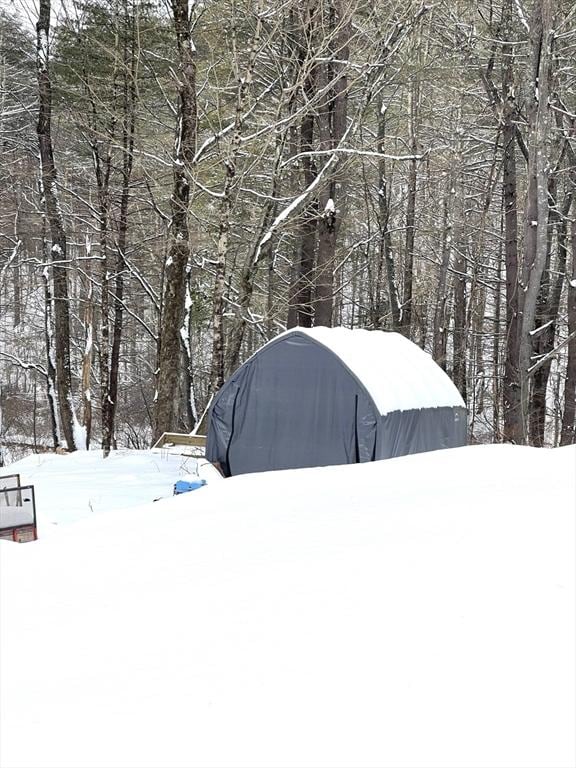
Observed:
{"x":180,"y":181}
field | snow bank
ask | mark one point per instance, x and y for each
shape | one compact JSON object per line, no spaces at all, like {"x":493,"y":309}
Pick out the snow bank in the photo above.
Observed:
{"x":79,"y":485}
{"x":415,"y":612}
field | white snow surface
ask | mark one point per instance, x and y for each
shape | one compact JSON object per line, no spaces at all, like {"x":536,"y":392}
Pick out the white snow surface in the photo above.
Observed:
{"x":398,"y":374}
{"x":82,"y":484}
{"x":417,"y":612}
{"x":330,"y":207}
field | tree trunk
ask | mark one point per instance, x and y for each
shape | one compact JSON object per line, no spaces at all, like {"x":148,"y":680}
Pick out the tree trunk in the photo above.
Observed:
{"x":87,"y":367}
{"x":256,"y":255}
{"x":167,"y":401}
{"x":300,"y":297}
{"x":128,"y":129}
{"x":536,"y":212}
{"x":218,"y":348}
{"x":16,"y":269}
{"x":57,"y":233}
{"x":568,"y":432}
{"x":190,"y":414}
{"x":441,"y":319}
{"x":51,"y":390}
{"x":386,"y":260}
{"x":407,"y":297}
{"x":547,"y":310}
{"x":496,"y":373}
{"x":326,"y":253}
{"x":102,"y":168}
{"x":460,"y":325}
{"x":512,"y":431}
{"x":331,"y":128}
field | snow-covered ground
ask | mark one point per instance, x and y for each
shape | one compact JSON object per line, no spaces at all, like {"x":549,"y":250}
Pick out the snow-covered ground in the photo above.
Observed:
{"x":418,"y":612}
{"x":82,"y":484}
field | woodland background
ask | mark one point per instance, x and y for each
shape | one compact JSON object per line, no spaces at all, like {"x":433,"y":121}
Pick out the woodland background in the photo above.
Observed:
{"x":180,"y":181}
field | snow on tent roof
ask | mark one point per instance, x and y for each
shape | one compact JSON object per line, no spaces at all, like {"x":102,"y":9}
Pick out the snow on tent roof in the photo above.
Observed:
{"x":398,"y":375}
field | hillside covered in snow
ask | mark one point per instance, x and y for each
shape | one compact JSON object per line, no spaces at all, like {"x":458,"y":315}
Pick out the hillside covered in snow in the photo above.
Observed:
{"x":411,"y":613}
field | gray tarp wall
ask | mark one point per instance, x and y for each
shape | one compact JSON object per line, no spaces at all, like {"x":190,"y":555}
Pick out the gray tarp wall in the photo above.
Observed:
{"x":296,"y":404}
{"x":420,"y":430}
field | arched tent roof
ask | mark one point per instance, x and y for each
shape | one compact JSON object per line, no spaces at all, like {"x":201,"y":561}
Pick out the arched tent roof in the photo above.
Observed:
{"x":396,"y":373}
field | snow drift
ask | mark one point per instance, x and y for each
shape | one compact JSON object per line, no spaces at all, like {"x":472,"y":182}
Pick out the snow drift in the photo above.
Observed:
{"x":413,"y":612}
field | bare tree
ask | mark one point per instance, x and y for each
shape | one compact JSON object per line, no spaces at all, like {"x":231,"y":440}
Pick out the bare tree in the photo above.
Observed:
{"x":332,"y":114}
{"x":568,"y":435}
{"x":58,"y":235}
{"x":127,"y":128}
{"x":167,"y":402}
{"x":230,"y":164}
{"x":536,"y":211}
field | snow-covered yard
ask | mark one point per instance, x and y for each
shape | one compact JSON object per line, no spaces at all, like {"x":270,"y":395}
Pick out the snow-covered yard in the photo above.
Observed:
{"x":82,"y":484}
{"x":418,"y":612}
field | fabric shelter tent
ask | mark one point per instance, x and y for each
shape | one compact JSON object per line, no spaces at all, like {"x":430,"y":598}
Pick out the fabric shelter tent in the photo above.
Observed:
{"x":321,"y":396}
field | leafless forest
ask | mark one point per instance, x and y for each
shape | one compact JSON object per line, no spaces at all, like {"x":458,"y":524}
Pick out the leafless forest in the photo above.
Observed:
{"x":180,"y":181}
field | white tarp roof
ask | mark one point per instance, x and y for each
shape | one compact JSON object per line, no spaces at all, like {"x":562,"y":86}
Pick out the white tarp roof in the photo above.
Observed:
{"x":398,"y":374}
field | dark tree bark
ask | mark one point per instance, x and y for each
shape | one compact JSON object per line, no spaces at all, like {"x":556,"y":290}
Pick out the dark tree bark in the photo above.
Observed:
{"x":460,"y":335}
{"x":512,"y":431}
{"x":568,"y":432}
{"x":506,"y":112}
{"x":16,"y":269}
{"x":129,"y":96}
{"x":386,"y":262}
{"x":255,"y":257}
{"x":218,"y":346}
{"x":300,"y":310}
{"x":331,"y":129}
{"x":167,"y":400}
{"x":440,"y":331}
{"x":302,"y":295}
{"x":325,"y":258}
{"x":496,"y":354}
{"x":58,"y":236}
{"x":51,"y":391}
{"x":536,"y":209}
{"x":407,"y":296}
{"x":102,"y":157}
{"x":101,"y":136}
{"x":547,"y":310}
